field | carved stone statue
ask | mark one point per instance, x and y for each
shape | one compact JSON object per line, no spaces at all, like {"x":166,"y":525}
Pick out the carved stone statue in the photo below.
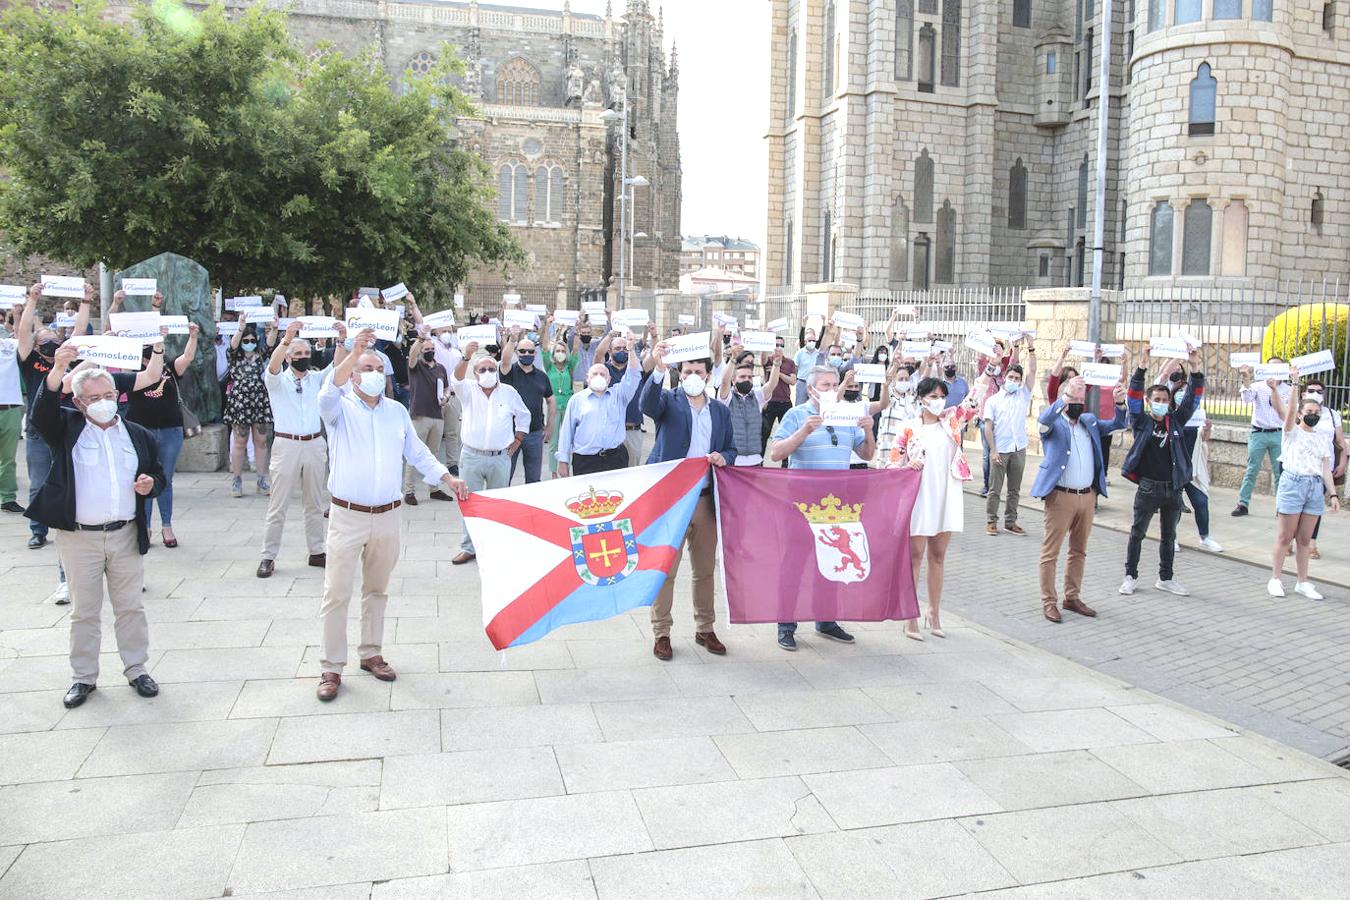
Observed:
{"x":618,"y":84}
{"x":576,"y":81}
{"x":594,"y":95}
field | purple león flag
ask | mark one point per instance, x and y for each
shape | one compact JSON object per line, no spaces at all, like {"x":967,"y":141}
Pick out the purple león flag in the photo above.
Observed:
{"x":814,"y":546}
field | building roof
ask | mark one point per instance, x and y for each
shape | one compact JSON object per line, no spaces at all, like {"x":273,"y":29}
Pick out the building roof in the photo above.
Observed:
{"x":697,"y":242}
{"x":712,"y":273}
{"x":518,"y":10}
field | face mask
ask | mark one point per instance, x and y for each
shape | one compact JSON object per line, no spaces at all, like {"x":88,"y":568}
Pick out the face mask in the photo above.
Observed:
{"x":744,"y":387}
{"x":1012,"y":387}
{"x":883,"y":358}
{"x":430,"y":356}
{"x":694,"y":385}
{"x":585,"y":339}
{"x":1160,"y":409}
{"x":620,"y":357}
{"x":487,"y":380}
{"x":560,"y":356}
{"x":48,"y":348}
{"x":1314,"y":395}
{"x":102,"y":412}
{"x":837,"y":362}
{"x":935,"y":405}
{"x":1177,"y":377}
{"x":598,"y":383}
{"x":371,"y":383}
{"x":527,"y":359}
{"x":300,"y":364}
{"x":447,"y":339}
{"x":827,"y":398}
{"x":1311,"y":420}
{"x":249,"y":346}
{"x":810,"y":345}
{"x":852,"y":396}
{"x":903,"y":386}
{"x":1073,"y":410}
{"x":950,"y":371}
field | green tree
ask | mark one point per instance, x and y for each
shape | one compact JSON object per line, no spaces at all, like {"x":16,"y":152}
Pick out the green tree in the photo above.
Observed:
{"x":215,"y":138}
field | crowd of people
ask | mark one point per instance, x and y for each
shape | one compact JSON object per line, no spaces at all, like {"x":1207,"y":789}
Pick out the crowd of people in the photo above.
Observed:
{"x":355,"y":423}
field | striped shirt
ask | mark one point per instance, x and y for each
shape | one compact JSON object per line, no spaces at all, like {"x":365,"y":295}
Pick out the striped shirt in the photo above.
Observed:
{"x":824,"y":448}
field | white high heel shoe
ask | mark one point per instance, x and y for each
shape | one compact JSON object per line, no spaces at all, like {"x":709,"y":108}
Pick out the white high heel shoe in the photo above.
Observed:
{"x":915,"y":635}
{"x":936,"y":632}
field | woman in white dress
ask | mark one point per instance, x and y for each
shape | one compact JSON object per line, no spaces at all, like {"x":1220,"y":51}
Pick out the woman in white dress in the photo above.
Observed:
{"x":932,"y":443}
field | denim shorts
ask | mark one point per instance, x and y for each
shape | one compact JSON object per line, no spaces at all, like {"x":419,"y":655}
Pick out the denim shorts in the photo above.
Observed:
{"x":1300,"y":494}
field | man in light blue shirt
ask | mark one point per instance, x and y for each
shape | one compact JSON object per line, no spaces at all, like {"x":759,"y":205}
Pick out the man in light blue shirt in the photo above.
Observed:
{"x":592,"y":435}
{"x":807,"y":443}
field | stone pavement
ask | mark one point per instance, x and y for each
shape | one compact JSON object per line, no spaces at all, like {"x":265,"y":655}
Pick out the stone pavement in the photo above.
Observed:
{"x":581,"y":767}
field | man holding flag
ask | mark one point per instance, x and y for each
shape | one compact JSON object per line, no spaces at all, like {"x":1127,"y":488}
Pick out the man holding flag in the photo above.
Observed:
{"x":689,"y":425}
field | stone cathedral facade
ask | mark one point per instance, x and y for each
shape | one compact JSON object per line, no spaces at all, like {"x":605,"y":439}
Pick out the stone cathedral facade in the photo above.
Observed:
{"x":541,"y":79}
{"x":929,"y":143}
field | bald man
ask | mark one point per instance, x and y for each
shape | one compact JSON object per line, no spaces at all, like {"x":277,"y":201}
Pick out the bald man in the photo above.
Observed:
{"x":592,"y":438}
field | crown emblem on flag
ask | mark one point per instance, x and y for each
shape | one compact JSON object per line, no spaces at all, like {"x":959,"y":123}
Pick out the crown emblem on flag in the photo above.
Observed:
{"x":830,"y":511}
{"x":595,"y":504}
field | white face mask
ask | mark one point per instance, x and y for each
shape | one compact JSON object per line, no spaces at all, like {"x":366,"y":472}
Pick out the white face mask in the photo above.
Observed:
{"x":447,"y":339}
{"x":810,"y":345}
{"x":101,"y":411}
{"x":1314,"y":395}
{"x":902,"y":386}
{"x":598,"y":383}
{"x":371,"y":383}
{"x":1012,"y":387}
{"x":488,"y":379}
{"x":935,"y":405}
{"x":827,"y":398}
{"x":694,"y":385}
{"x":560,"y":356}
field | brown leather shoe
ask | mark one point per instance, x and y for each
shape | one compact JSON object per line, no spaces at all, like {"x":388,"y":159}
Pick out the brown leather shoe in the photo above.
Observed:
{"x":1014,"y":528}
{"x":410,"y":499}
{"x":991,"y":528}
{"x":663,"y":651}
{"x":462,"y":558}
{"x":442,"y":495}
{"x":1081,"y":608}
{"x":379,"y":668}
{"x":709,"y":639}
{"x":1052,"y":612}
{"x":318,"y":560}
{"x":265,"y":568}
{"x":328,"y":686}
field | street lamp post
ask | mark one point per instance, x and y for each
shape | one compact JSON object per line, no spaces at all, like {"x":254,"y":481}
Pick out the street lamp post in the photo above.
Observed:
{"x":633,"y":184}
{"x":609,"y":117}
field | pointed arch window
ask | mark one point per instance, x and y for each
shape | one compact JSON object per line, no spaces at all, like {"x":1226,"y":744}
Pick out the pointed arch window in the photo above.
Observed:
{"x":1204,"y":98}
{"x":1157,"y":14}
{"x":518,"y":84}
{"x":1160,"y":239}
{"x":926,"y":74}
{"x":922,"y":251}
{"x":792,"y":75}
{"x":789,"y":277}
{"x":1082,"y":192}
{"x":513,"y":192}
{"x":944,"y":257}
{"x":827,"y":79}
{"x":1318,"y":214}
{"x":951,"y":43}
{"x":827,"y":246}
{"x":549,"y":194}
{"x":923,"y":187}
{"x":1017,"y":195}
{"x":904,"y":39}
{"x":899,"y":241}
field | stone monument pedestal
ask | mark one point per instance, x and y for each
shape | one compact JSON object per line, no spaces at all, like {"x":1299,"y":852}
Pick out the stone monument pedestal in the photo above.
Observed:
{"x":207,"y":452}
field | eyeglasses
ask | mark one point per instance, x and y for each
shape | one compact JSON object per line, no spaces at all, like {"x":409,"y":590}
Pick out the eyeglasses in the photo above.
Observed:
{"x":834,"y":438}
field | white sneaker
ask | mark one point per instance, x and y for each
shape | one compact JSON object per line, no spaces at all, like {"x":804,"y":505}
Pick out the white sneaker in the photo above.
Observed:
{"x":1274,"y":588}
{"x":1176,"y":545}
{"x":1306,"y":589}
{"x":1128,"y":585}
{"x":1172,"y":586}
{"x":61,"y":596}
{"x":1211,"y":545}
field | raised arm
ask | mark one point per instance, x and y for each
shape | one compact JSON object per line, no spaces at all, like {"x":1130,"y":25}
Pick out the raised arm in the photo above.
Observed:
{"x":1291,"y":414}
{"x":28,"y":321}
{"x":82,"y":315}
{"x":282,"y":348}
{"x":180,"y":365}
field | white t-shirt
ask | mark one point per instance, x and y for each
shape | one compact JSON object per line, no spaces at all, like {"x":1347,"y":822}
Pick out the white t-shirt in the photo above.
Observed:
{"x":1303,"y":452}
{"x":1009,"y":411}
{"x":10,"y":392}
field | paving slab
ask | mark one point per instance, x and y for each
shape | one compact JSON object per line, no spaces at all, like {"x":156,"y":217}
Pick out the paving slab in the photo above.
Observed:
{"x":694,"y":815}
{"x":470,"y":776}
{"x":547,"y":881}
{"x":734,"y":871}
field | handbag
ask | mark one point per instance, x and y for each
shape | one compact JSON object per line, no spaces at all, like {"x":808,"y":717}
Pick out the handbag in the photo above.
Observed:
{"x":192,"y":426}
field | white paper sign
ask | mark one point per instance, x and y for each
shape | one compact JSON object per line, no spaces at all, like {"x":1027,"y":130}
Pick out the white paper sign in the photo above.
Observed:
{"x":598,"y":322}
{"x":318,"y":327}
{"x":518,"y":318}
{"x":537,"y":308}
{"x":594,"y":306}
{"x":227,"y":329}
{"x":1113,"y":351}
{"x":906,"y":311}
{"x":916,"y":334}
{"x":259,"y":315}
{"x":247,"y":302}
{"x":384,"y":322}
{"x":176,"y":324}
{"x":140,"y":286}
{"x":1191,"y":340}
{"x":1272,"y":371}
{"x":686,"y":319}
{"x":724,"y":318}
{"x":397,"y":292}
{"x":566,"y":316}
{"x":1238,"y":360}
{"x":443,"y":319}
{"x":869,"y":373}
{"x":1006,"y":332}
{"x":62,"y":286}
{"x":633,"y":318}
{"x":9,"y":292}
{"x":1101,"y":374}
{"x":1169,"y":347}
{"x":687,"y":346}
{"x":482,"y":335}
{"x":843,"y":414}
{"x":942,"y":346}
{"x":401,"y":310}
{"x":1082,"y":349}
{"x":510,"y":299}
{"x":848,"y":321}
{"x":285,"y":322}
{"x":459,"y":301}
{"x":64,"y":321}
{"x":775,"y":326}
{"x":759,"y":341}
{"x":107,"y":350}
{"x":368,"y":292}
{"x":981,"y":342}
{"x":917,"y":349}
{"x":1312,"y":363}
{"x":144,"y":326}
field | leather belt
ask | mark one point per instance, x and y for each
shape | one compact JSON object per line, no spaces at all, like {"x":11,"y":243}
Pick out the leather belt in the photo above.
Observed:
{"x":1264,"y":430}
{"x":628,"y":426}
{"x":602,"y":453}
{"x":484,"y":452}
{"x":11,"y":406}
{"x":372,"y":510}
{"x":299,"y":437}
{"x":106,"y":526}
{"x":1086,"y":490}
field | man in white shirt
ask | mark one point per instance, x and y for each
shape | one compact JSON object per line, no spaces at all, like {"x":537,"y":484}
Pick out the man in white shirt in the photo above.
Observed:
{"x":11,"y":422}
{"x":1005,"y":428}
{"x":1269,"y":400}
{"x":448,"y":355}
{"x":370,"y":436}
{"x":494,"y":422}
{"x":299,"y":451}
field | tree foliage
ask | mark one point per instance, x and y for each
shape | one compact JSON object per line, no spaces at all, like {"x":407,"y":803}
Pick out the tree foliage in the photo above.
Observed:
{"x":217,"y":139}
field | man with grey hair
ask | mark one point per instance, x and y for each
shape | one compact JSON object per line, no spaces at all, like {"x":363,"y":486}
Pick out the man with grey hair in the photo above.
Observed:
{"x":299,"y":450}
{"x":103,"y":471}
{"x":493,"y":425}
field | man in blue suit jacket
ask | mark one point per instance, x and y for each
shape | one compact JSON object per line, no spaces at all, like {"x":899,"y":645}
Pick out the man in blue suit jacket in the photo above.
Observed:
{"x":1071,"y":476}
{"x":689,"y":425}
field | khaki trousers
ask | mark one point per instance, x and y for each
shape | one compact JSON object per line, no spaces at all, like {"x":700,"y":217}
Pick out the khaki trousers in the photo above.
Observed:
{"x":701,"y":539}
{"x":296,"y":462}
{"x":1010,"y":470}
{"x":90,"y":557}
{"x":450,"y":442}
{"x":430,"y":432}
{"x":1071,"y":515}
{"x":633,"y":441}
{"x":374,"y":541}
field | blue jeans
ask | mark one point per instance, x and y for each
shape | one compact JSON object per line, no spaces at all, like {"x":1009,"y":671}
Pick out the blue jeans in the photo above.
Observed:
{"x":791,"y":627}
{"x":532,"y":448}
{"x":168,"y":444}
{"x":39,"y":455}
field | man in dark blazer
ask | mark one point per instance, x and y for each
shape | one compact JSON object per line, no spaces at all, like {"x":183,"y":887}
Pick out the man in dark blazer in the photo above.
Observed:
{"x":104,"y":471}
{"x":689,"y":424}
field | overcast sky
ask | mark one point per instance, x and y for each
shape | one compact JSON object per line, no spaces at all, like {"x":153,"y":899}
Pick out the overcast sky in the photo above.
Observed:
{"x":724,"y":97}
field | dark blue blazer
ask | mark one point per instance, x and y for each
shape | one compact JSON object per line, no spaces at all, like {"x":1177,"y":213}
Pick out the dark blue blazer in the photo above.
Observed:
{"x":675,"y":421}
{"x":1056,"y":441}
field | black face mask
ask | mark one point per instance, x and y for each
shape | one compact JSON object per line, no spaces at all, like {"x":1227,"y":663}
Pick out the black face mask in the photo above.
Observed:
{"x":300,"y":365}
{"x":744,"y":387}
{"x":48,"y":348}
{"x":852,"y":396}
{"x":1311,"y":420}
{"x":1073,"y":410}
{"x":1177,"y":377}
{"x":526,"y":359}
{"x":950,"y":371}
{"x":430,"y":356}
{"x":584,"y":338}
